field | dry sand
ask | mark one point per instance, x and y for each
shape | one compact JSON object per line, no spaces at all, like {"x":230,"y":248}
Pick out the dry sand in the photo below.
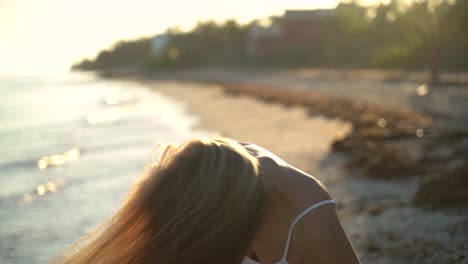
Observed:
{"x":377,"y":215}
{"x":391,"y":88}
{"x":289,"y":132}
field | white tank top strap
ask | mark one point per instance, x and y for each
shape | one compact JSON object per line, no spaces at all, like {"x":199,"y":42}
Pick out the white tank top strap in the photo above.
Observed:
{"x":284,"y":260}
{"x":291,"y":228}
{"x":248,"y":260}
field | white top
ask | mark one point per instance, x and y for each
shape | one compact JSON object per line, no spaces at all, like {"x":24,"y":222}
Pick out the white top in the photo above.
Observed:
{"x":284,"y":260}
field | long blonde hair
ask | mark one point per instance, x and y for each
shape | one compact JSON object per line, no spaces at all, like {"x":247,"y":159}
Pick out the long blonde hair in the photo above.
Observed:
{"x":201,"y":204}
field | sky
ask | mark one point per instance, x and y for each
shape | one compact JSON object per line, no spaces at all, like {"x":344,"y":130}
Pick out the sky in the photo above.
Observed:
{"x":50,"y":35}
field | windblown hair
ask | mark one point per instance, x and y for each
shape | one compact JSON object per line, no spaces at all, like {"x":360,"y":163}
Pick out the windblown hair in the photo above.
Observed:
{"x":201,"y":204}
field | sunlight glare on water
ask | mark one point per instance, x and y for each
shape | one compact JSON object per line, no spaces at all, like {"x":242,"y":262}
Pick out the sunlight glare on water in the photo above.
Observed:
{"x":60,"y":159}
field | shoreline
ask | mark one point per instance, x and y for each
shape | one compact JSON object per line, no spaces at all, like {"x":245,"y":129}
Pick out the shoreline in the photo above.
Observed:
{"x":377,"y":214}
{"x":385,"y":141}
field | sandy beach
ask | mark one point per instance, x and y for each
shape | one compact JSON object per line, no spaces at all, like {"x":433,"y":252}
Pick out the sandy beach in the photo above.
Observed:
{"x":377,"y":215}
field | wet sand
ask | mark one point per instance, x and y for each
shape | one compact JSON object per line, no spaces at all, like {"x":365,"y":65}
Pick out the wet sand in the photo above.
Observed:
{"x":377,"y":215}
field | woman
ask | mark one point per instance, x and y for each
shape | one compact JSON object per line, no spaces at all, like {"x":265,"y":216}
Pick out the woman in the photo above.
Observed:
{"x":220,"y":201}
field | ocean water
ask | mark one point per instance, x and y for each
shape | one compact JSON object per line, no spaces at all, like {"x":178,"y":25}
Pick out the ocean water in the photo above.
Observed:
{"x":70,"y":147}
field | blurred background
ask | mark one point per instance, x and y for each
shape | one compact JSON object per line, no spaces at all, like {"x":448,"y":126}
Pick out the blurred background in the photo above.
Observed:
{"x":370,"y":97}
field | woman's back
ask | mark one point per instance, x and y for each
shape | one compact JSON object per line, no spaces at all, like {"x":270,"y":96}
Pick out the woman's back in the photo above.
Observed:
{"x":213,"y":201}
{"x":298,"y":209}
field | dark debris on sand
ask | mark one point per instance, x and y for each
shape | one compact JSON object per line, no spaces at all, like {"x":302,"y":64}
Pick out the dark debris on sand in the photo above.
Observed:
{"x":387,"y":143}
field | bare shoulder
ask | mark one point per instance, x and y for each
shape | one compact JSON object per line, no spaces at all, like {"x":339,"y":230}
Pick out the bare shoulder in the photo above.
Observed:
{"x":288,"y":190}
{"x":297,"y":189}
{"x":318,"y":236}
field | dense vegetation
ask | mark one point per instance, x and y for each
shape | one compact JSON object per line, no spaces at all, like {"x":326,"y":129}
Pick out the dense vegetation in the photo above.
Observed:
{"x":423,"y":34}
